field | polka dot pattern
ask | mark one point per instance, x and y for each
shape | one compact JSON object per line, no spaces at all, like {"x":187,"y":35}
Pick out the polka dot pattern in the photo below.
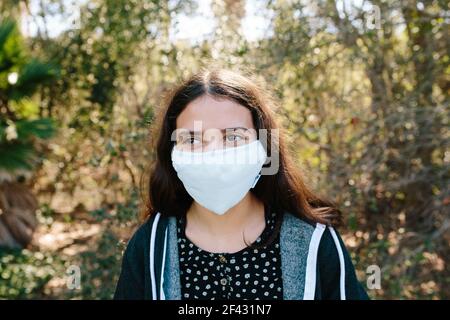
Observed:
{"x":249,"y":274}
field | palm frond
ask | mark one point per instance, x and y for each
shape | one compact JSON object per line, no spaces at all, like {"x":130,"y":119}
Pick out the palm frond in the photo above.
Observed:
{"x":31,"y":76}
{"x":43,"y":128}
{"x":6,"y":29}
{"x":15,"y":156}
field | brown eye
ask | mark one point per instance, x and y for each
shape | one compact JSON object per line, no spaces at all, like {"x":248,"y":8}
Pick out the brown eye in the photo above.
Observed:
{"x":234,"y":138}
{"x":191,"y":140}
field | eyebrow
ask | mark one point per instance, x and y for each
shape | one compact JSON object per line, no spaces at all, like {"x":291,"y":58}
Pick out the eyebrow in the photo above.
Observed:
{"x":222,"y":130}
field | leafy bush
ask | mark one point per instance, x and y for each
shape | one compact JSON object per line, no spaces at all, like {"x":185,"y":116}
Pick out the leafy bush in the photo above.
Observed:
{"x":23,"y":273}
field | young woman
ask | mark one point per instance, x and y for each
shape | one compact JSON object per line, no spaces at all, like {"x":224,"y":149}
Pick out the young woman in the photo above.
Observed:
{"x":219,"y":226}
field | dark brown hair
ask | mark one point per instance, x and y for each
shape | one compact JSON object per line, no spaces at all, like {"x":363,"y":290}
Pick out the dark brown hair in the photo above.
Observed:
{"x":282,"y":192}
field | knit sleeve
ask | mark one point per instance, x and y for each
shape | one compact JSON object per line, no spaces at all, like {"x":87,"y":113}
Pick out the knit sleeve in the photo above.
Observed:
{"x":329,"y":272}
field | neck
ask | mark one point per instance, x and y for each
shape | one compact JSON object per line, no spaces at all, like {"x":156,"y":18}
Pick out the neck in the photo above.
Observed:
{"x":246,"y":214}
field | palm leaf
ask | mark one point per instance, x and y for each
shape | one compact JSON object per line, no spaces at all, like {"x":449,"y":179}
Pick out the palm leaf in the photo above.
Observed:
{"x":15,"y":156}
{"x":6,"y":29}
{"x":43,"y":128}
{"x":9,"y":45}
{"x":31,"y":76}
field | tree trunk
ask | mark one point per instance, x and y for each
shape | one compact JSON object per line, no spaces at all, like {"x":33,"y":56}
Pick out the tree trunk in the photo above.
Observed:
{"x":17,"y":214}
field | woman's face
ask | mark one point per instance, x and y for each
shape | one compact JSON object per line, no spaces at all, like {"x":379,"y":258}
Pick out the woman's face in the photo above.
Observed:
{"x":207,"y":123}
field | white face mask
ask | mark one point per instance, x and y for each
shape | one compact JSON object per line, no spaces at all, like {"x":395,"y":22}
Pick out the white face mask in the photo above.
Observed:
{"x":220,"y":178}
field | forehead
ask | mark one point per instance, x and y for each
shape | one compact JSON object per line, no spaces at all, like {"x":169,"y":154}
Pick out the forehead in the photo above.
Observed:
{"x":214,"y":113}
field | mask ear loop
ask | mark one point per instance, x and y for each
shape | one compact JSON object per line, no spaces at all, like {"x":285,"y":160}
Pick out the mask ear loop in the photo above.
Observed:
{"x":256,"y":180}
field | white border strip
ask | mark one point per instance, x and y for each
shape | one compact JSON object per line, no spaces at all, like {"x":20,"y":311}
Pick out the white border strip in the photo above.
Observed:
{"x":161,"y":290}
{"x":152,"y":254}
{"x":341,"y":261}
{"x":311,"y":262}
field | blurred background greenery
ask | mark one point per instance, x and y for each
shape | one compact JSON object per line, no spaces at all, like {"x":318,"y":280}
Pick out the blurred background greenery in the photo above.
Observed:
{"x":363,"y":88}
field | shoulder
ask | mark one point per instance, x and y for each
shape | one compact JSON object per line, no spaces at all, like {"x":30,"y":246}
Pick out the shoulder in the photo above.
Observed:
{"x":134,"y":270}
{"x":138,"y":244}
{"x":292,"y":223}
{"x":141,"y":235}
{"x":140,"y":240}
{"x":328,"y":248}
{"x":327,"y":235}
{"x":337,"y":273}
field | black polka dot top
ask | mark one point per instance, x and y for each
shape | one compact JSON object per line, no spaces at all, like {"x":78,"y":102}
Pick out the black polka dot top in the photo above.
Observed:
{"x":249,"y":274}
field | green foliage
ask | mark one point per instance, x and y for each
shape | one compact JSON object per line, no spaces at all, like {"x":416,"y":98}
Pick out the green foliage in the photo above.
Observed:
{"x":11,"y":50}
{"x":16,"y":156}
{"x":23,"y":274}
{"x":17,"y":152}
{"x":42,"y":128}
{"x":100,"y":269}
{"x":32,"y":75}
{"x":25,"y":108}
{"x":19,"y":80}
{"x":101,"y":266}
